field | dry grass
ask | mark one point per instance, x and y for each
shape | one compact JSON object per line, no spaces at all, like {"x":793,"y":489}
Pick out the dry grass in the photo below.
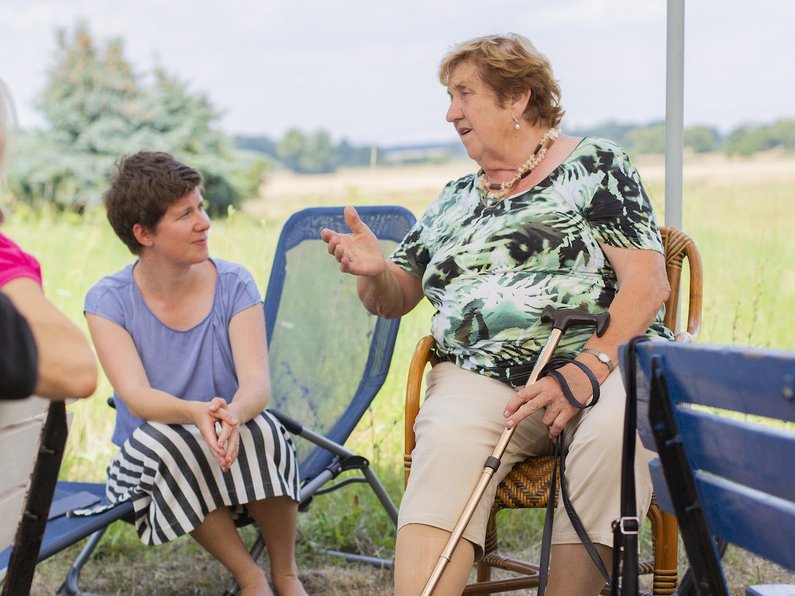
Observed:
{"x":181,"y":567}
{"x":719,"y":171}
{"x":415,"y":186}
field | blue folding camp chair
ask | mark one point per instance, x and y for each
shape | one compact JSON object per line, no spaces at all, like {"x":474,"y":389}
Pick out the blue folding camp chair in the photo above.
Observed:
{"x":329,"y":358}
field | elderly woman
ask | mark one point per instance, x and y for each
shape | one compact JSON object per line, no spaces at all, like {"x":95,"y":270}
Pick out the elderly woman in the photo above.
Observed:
{"x":548,"y":219}
{"x":181,"y":337}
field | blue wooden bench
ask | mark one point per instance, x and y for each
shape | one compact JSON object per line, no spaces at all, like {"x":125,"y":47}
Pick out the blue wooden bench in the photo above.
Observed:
{"x":722,"y":421}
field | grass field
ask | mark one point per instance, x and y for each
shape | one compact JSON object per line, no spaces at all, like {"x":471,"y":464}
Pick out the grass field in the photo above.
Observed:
{"x":741,"y":212}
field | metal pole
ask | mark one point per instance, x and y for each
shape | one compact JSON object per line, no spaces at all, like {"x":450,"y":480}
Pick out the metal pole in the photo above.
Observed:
{"x":674,"y":112}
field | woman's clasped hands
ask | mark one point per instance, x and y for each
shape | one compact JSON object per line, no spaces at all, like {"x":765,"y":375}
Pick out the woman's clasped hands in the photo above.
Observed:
{"x":219,"y":425}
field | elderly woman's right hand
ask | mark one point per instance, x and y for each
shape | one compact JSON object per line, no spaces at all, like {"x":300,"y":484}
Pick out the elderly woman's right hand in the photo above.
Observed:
{"x":359,"y":252}
{"x":547,"y":395}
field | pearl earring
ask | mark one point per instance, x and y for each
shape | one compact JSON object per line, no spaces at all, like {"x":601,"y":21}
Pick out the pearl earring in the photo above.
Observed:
{"x":516,"y":125}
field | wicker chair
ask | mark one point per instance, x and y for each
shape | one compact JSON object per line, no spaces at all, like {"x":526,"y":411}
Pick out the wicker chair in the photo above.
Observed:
{"x":527,"y":485}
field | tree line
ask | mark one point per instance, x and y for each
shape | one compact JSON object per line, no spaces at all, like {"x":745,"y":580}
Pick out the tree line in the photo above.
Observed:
{"x":98,"y":108}
{"x":306,"y":153}
{"x":315,"y":153}
{"x":743,"y":140}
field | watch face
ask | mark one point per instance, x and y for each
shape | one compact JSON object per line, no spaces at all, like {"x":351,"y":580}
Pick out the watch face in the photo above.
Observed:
{"x":601,"y":357}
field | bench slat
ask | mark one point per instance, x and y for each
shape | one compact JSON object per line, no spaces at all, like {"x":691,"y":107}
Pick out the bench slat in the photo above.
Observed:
{"x":19,"y":444}
{"x":721,"y":445}
{"x":11,"y":503}
{"x":31,"y":525}
{"x":14,"y":411}
{"x":757,"y":522}
{"x":21,"y":424}
{"x":749,"y":381}
{"x":660,"y":487}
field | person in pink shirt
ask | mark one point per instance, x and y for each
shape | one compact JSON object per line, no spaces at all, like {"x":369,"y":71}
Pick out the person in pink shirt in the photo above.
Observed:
{"x":64,"y":362}
{"x":16,"y":263}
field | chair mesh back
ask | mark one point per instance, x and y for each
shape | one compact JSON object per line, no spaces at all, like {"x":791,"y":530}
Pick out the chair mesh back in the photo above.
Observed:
{"x":328,"y":355}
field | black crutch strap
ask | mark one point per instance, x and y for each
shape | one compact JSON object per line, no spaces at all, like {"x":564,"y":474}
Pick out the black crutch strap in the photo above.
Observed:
{"x":546,"y":537}
{"x":576,"y":522}
{"x":560,"y":462}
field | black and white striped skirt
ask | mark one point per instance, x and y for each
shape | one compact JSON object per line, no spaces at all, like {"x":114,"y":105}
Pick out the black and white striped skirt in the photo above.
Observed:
{"x":174,"y":481}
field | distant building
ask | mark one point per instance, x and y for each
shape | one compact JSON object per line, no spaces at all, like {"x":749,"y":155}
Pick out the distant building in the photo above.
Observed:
{"x":418,"y":153}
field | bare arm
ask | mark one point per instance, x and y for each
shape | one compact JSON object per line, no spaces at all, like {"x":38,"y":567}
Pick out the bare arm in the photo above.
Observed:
{"x":384,"y":288}
{"x":67,"y":366}
{"x":392,"y":294}
{"x":125,"y":371}
{"x":642,"y":289}
{"x":250,"y":353}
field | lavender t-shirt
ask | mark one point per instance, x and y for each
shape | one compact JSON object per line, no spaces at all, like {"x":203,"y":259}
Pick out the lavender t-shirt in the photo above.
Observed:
{"x":195,"y":364}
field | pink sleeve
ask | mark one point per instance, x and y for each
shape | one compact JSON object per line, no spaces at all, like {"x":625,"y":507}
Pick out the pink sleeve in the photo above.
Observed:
{"x":15,"y":263}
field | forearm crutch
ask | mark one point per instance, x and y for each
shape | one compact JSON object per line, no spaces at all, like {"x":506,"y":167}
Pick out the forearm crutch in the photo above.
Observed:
{"x":561,"y":320}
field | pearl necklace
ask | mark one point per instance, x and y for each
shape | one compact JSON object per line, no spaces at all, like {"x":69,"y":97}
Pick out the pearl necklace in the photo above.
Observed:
{"x":500,"y":191}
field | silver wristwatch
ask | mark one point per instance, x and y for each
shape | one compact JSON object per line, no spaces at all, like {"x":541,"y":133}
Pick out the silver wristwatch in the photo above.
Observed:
{"x":602,"y":357}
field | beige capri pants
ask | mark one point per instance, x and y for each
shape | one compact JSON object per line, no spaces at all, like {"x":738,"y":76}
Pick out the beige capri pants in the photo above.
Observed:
{"x":457,"y":428}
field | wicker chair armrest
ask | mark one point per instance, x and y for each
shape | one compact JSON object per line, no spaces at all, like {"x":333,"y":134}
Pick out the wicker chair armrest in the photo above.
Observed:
{"x":423,"y":354}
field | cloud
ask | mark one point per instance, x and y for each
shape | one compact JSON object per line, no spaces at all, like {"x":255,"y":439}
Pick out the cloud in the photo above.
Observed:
{"x":367,"y":70}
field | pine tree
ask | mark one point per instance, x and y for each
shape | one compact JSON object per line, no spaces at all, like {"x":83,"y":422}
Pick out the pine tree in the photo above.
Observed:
{"x":99,"y":109}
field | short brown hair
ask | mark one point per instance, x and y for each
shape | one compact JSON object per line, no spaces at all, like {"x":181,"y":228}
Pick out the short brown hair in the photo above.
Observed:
{"x":510,"y":64}
{"x":142,"y":189}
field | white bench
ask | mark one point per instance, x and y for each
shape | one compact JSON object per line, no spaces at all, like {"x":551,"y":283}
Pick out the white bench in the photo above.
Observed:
{"x":32,"y":439}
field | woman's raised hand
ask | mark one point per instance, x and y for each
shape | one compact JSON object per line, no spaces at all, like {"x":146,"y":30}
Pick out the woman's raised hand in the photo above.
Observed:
{"x":359,"y":252}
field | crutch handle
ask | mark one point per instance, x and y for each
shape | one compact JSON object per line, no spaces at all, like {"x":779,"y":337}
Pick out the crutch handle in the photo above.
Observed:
{"x":563,"y":318}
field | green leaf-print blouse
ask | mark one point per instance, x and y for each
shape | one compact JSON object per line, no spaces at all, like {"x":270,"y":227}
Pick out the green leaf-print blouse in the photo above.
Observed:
{"x":490,"y":267}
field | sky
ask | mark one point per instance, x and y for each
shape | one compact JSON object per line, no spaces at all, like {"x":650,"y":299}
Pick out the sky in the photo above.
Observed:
{"x":365,"y":70}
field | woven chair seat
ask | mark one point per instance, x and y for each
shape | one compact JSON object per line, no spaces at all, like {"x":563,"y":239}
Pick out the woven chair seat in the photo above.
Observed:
{"x":527,"y":485}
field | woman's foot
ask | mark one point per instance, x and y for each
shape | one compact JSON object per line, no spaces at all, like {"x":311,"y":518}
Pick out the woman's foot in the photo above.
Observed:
{"x":255,"y":585}
{"x":288,"y":585}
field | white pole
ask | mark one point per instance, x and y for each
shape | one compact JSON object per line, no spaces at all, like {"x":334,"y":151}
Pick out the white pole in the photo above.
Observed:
{"x":674,"y":112}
